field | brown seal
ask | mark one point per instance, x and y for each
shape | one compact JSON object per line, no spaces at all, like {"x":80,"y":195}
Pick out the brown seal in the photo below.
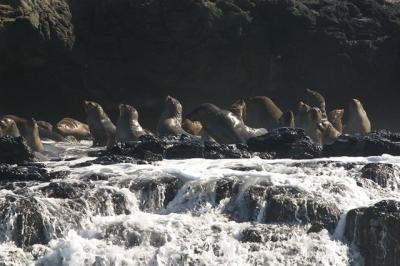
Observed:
{"x":32,"y":135}
{"x":357,"y":120}
{"x":336,"y":118}
{"x":46,"y":131}
{"x":238,"y":108}
{"x":101,"y":128}
{"x":222,"y":125}
{"x":8,"y":127}
{"x":315,"y":99}
{"x":128,"y":126}
{"x":170,"y":122}
{"x":192,"y":127}
{"x":287,"y":119}
{"x":301,"y":118}
{"x":262,"y":112}
{"x":320,"y":130}
{"x":72,"y":127}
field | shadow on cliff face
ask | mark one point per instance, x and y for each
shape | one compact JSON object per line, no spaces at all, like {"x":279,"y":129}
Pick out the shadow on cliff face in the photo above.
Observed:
{"x":52,"y":56}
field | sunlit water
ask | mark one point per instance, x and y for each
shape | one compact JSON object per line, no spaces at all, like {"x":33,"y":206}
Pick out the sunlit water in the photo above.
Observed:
{"x":192,"y":229}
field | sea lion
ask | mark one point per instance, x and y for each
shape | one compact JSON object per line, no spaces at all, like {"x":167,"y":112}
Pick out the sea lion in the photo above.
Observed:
{"x":336,"y":118}
{"x":170,"y":122}
{"x":319,"y":129}
{"x":72,"y":127}
{"x":357,"y":120}
{"x":262,"y":112}
{"x":238,"y":108}
{"x":101,"y":128}
{"x":8,"y":127}
{"x":128,"y":126}
{"x":222,"y":125}
{"x":21,"y":123}
{"x":315,"y":99}
{"x":287,"y":119}
{"x":32,"y":135}
{"x":46,"y":131}
{"x":301,"y":118}
{"x":192,"y":127}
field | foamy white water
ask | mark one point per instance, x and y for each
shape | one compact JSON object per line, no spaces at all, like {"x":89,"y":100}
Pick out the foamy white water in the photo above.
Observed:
{"x":129,"y":217}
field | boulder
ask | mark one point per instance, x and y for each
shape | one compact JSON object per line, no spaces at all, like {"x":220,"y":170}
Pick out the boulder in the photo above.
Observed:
{"x":385,"y":175}
{"x":14,"y":150}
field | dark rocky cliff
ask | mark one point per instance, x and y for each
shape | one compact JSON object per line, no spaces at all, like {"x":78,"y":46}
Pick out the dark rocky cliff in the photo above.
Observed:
{"x":54,"y":53}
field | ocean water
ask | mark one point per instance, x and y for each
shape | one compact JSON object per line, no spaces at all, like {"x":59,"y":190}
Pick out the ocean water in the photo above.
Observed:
{"x":170,"y":212}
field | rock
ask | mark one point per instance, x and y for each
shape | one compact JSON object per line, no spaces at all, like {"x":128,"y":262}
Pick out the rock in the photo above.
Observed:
{"x":286,"y":143}
{"x":375,"y":230}
{"x":371,"y":144}
{"x":63,"y":190}
{"x":185,"y":150}
{"x":14,"y":150}
{"x":13,"y":173}
{"x":155,"y":194}
{"x":385,"y":175}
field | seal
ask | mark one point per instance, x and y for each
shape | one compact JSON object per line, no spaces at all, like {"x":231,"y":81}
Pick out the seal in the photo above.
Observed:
{"x":46,"y":131}
{"x":238,"y":108}
{"x":192,"y":127}
{"x":21,"y":123}
{"x":319,"y":129}
{"x":8,"y":127}
{"x":336,"y":118}
{"x":315,"y":99}
{"x":72,"y":127}
{"x":287,"y":119}
{"x":101,"y":128}
{"x":128,"y":126}
{"x":262,"y":112}
{"x":32,"y":135}
{"x":222,"y":125}
{"x":301,"y":117}
{"x":357,"y":120}
{"x":170,"y":122}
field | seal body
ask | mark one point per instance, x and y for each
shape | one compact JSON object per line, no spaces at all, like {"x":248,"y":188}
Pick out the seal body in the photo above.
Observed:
{"x":262,"y":112}
{"x":46,"y":131}
{"x":192,"y":127}
{"x":336,"y":118}
{"x":222,"y":125}
{"x":170,"y":122}
{"x":287,"y":119}
{"x":128,"y":126}
{"x":315,"y":99}
{"x":32,"y":135}
{"x":72,"y":127}
{"x":320,"y":130}
{"x":101,"y":127}
{"x":8,"y":127}
{"x":238,"y":108}
{"x":357,"y":120}
{"x":301,"y":117}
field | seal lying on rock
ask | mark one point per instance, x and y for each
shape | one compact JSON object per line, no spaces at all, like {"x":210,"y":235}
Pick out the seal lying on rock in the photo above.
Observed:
{"x":100,"y":125}
{"x":46,"y":131}
{"x":170,"y":123}
{"x":72,"y":127}
{"x":262,"y":112}
{"x":32,"y":135}
{"x":238,"y":108}
{"x":357,"y":120}
{"x":336,"y":118}
{"x":8,"y":127}
{"x":128,"y":126}
{"x":301,"y":117}
{"x":315,"y":99}
{"x":320,"y":130}
{"x":192,"y":127}
{"x":222,"y":125}
{"x":287,"y":119}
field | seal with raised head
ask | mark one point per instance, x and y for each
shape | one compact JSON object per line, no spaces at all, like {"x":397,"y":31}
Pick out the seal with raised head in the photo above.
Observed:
{"x":32,"y":135}
{"x":357,"y":120}
{"x":101,"y":128}
{"x":21,"y":123}
{"x":222,"y":125}
{"x":72,"y":127}
{"x":319,"y":129}
{"x":315,"y":99}
{"x":128,"y":126}
{"x":301,"y":118}
{"x":238,"y":108}
{"x":262,"y":112}
{"x":170,"y":122}
{"x":8,"y":127}
{"x":192,"y":127}
{"x":336,"y":118}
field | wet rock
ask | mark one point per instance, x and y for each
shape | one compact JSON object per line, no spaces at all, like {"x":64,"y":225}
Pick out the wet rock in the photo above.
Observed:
{"x":385,"y":175}
{"x":14,"y":150}
{"x":14,"y":173}
{"x":263,"y":233}
{"x":185,"y":150}
{"x":286,"y":143}
{"x":375,"y":230}
{"x":155,"y":194}
{"x":265,"y":203}
{"x":315,"y":228}
{"x":63,"y":190}
{"x":214,"y":150}
{"x":96,"y":177}
{"x":251,"y":235}
{"x":107,"y":201}
{"x":371,"y":144}
{"x":226,"y":187}
{"x":113,"y":159}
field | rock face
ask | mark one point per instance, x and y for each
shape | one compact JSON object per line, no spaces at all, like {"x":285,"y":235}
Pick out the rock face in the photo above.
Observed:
{"x":111,"y":51}
{"x":14,"y":150}
{"x":375,"y":231}
{"x":385,"y":175}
